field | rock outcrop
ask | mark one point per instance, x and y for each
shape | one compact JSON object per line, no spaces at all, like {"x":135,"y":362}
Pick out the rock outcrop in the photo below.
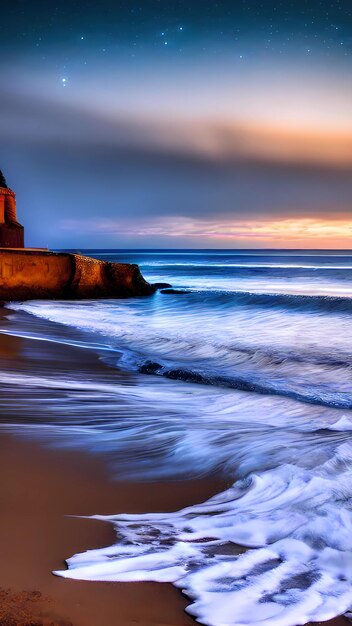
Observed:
{"x":33,"y":274}
{"x":29,"y":273}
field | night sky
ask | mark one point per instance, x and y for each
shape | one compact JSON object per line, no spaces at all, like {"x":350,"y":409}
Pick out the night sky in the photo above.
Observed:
{"x":178,"y":124}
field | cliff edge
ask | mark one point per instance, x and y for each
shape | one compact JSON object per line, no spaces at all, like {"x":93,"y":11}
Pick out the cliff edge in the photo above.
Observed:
{"x":34,"y":274}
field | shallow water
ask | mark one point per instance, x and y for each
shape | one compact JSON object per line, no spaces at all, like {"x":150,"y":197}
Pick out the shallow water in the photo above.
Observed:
{"x":250,"y":375}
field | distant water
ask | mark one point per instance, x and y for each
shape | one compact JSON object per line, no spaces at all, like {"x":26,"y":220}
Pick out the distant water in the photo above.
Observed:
{"x":250,"y":373}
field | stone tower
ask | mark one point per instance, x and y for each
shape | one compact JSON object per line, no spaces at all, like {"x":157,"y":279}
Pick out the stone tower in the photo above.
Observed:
{"x":11,"y":232}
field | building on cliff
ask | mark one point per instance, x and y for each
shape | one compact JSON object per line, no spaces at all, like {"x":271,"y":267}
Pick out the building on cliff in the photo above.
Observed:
{"x":11,"y":232}
{"x":32,"y":273}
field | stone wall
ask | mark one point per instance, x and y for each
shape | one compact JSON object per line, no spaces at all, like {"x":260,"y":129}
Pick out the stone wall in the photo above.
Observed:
{"x":28,"y":274}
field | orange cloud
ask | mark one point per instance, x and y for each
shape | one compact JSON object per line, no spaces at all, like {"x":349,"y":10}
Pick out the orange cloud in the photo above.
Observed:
{"x":321,"y":146}
{"x":297,"y":232}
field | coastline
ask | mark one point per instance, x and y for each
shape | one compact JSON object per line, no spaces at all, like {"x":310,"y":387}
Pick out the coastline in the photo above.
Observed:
{"x":41,"y":487}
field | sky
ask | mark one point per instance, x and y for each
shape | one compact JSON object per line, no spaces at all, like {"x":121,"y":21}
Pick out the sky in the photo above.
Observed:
{"x":178,"y":124}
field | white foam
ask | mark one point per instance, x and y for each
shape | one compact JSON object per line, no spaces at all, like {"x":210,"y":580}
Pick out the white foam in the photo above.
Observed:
{"x":279,"y":266}
{"x":296,"y":524}
{"x":344,"y":423}
{"x":254,"y":345}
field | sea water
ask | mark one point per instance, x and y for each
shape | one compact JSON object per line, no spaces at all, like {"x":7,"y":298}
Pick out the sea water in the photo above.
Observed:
{"x":246,"y":371}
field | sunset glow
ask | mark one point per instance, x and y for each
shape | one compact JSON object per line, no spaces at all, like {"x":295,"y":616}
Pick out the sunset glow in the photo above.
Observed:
{"x":300,"y":232}
{"x":234,"y":133}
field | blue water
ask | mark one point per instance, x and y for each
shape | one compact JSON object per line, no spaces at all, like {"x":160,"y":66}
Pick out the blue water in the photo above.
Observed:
{"x":247,"y":370}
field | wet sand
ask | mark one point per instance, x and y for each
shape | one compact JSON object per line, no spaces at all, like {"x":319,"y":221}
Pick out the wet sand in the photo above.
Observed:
{"x":40,"y":488}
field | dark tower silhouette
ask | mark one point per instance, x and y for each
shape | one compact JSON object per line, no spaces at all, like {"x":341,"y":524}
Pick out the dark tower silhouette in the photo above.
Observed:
{"x":3,"y":181}
{"x":11,"y":232}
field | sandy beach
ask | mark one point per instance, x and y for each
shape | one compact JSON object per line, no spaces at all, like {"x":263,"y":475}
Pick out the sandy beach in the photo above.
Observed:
{"x":39,"y":490}
{"x":42,"y":490}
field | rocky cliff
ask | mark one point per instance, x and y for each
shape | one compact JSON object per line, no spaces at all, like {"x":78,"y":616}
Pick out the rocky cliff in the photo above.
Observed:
{"x":31,"y":274}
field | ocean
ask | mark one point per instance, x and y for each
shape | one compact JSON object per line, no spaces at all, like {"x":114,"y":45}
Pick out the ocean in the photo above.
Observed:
{"x":243,"y":371}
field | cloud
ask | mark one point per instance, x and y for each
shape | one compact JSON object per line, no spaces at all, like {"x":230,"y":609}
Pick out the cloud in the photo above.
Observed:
{"x":310,"y":232}
{"x":27,"y":118}
{"x":72,"y":166}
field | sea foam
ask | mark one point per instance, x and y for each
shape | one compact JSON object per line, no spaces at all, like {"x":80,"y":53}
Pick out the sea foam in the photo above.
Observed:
{"x":295,"y":523}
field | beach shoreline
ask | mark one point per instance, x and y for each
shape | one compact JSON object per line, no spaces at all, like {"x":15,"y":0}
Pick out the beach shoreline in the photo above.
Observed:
{"x":43,"y":490}
{"x":40,"y":489}
{"x":44,"y":487}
